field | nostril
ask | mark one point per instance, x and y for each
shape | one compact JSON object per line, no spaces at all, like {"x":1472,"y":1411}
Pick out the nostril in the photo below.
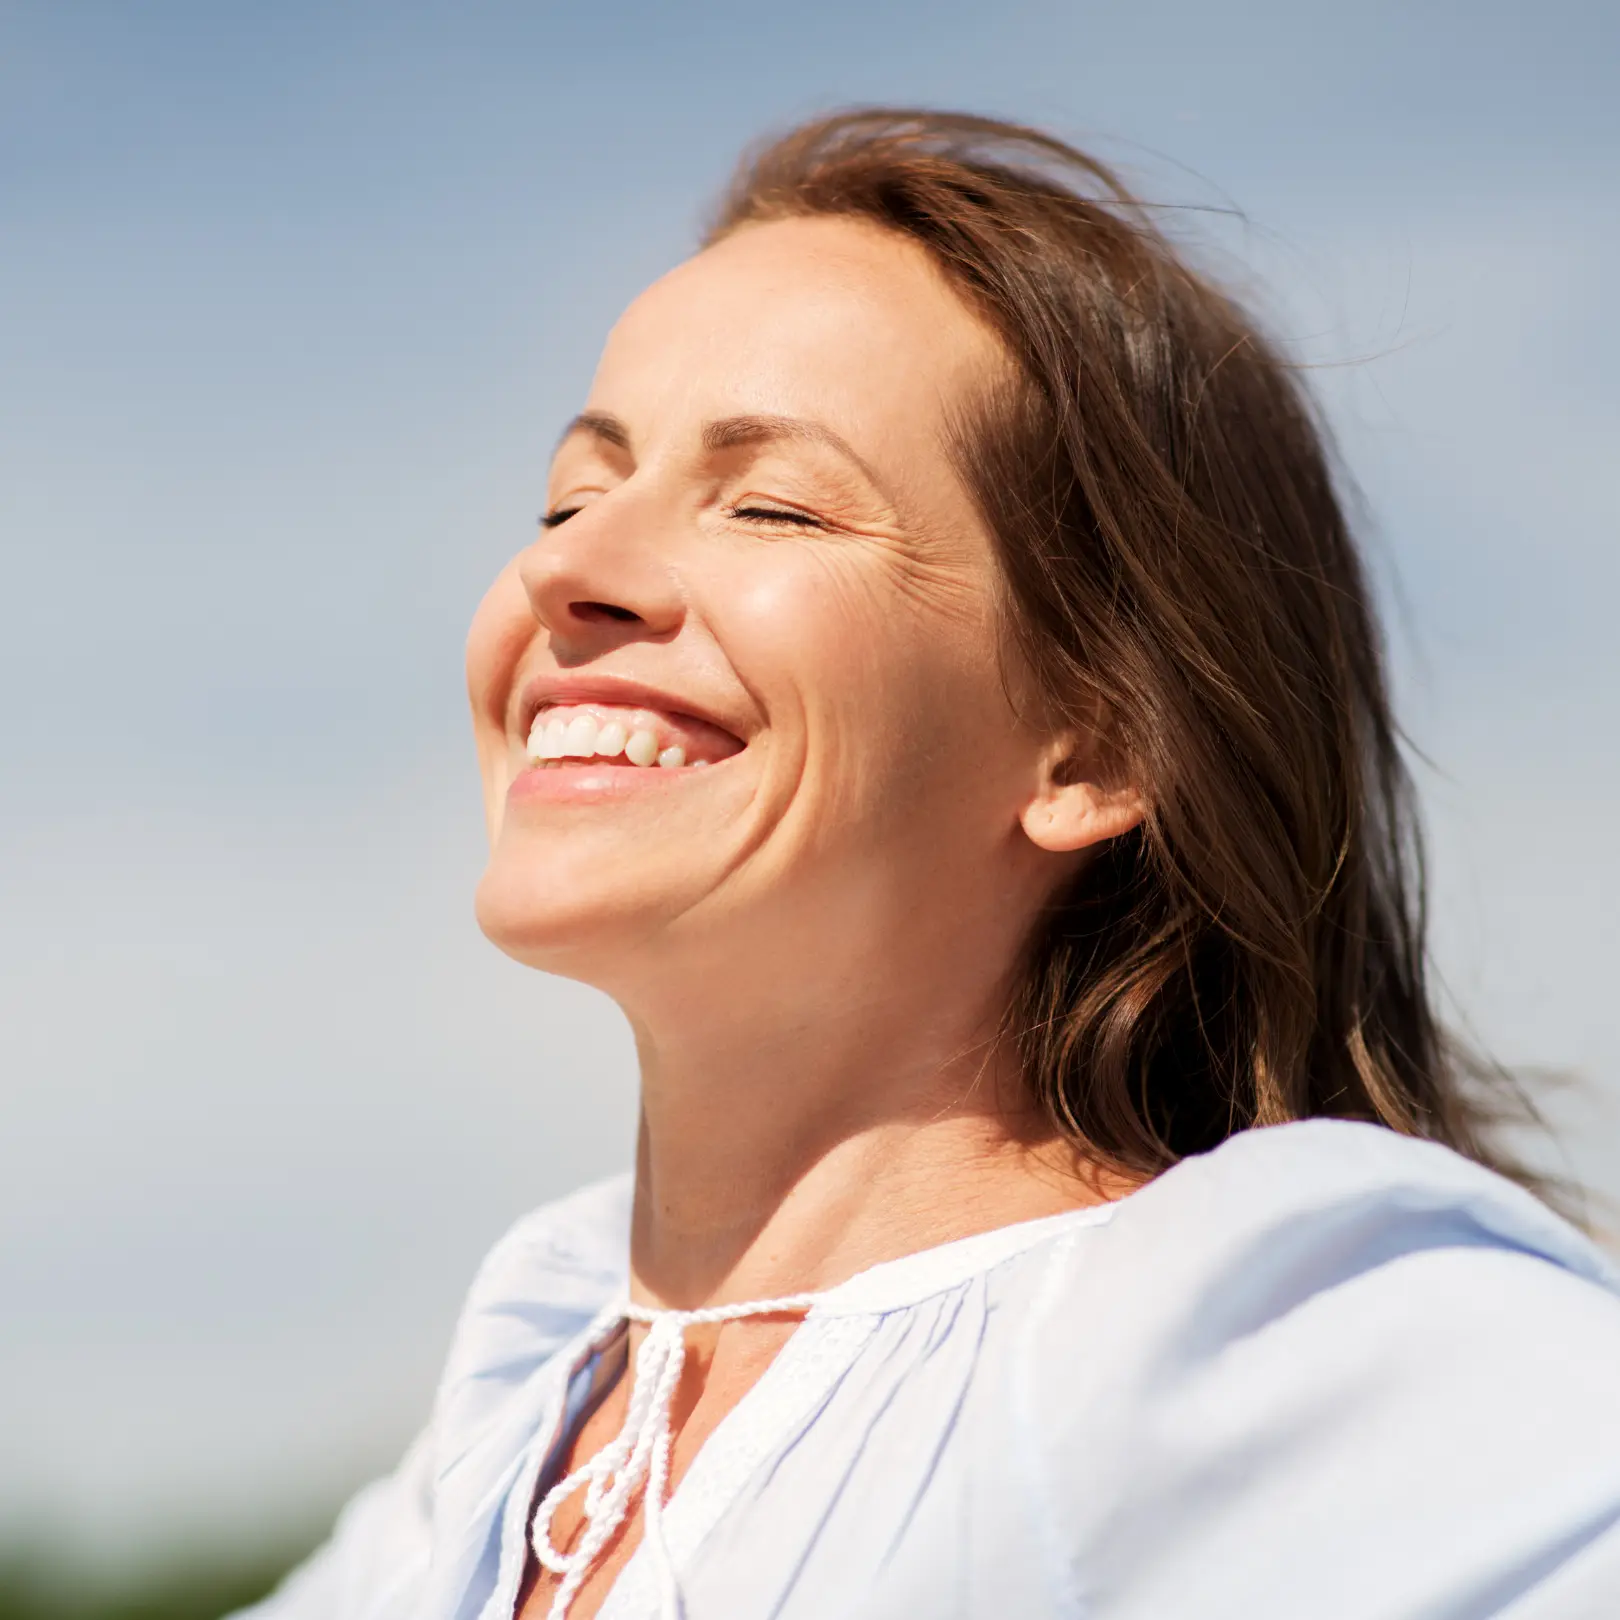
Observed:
{"x":604,"y":610}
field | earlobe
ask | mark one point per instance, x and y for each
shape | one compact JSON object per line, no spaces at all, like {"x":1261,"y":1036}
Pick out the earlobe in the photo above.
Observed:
{"x":1075,"y":809}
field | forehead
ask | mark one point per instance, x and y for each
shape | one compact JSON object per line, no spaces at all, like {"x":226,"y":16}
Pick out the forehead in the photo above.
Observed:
{"x":831,"y":318}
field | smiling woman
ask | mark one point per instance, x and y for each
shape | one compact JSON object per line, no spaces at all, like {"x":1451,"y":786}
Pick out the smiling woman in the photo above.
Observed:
{"x":943,"y":707}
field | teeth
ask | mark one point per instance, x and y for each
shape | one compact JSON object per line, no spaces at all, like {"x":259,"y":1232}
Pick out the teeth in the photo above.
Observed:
{"x":553,"y":739}
{"x":579,"y":742}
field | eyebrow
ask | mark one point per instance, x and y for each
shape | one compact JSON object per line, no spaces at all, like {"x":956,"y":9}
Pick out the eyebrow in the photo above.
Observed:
{"x":734,"y":431}
{"x":601,"y":425}
{"x":731,"y":433}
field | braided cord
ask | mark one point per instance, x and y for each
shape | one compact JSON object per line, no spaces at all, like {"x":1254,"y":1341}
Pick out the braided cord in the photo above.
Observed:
{"x":642,"y":1446}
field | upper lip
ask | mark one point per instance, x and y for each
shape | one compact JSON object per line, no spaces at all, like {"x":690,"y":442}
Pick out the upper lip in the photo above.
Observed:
{"x":612,"y":689}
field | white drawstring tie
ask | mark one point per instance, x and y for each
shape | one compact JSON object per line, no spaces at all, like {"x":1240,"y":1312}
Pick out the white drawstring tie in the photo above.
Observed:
{"x":642,"y":1447}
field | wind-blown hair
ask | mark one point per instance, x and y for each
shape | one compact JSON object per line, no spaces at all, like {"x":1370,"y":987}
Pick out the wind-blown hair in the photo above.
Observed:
{"x":1178,"y":567}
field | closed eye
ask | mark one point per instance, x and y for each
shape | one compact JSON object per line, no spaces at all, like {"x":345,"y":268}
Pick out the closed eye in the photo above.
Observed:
{"x":757,"y":514}
{"x":777,"y":514}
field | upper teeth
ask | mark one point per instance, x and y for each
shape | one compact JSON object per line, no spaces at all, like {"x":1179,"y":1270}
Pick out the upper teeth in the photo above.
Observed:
{"x":586,"y":737}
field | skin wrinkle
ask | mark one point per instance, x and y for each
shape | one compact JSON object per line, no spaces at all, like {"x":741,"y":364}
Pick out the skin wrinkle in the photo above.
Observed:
{"x":855,"y":965}
{"x":759,"y":433}
{"x":823,"y":943}
{"x":815,"y":939}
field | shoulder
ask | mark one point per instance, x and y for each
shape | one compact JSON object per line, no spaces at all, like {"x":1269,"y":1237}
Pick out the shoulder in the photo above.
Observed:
{"x":1403,"y":1367}
{"x":1283,"y":1225}
{"x":539,"y":1287}
{"x":1297,"y":1183}
{"x":561,"y":1256}
{"x":1277,"y":1215}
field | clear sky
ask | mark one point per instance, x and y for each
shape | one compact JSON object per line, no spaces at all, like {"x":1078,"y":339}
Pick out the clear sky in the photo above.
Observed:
{"x":295,"y":297}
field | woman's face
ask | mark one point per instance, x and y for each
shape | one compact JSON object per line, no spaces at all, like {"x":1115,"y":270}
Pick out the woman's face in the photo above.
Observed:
{"x":758,"y":626}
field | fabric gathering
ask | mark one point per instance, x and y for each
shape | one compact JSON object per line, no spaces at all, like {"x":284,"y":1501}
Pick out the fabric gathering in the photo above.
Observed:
{"x":1045,"y":1420}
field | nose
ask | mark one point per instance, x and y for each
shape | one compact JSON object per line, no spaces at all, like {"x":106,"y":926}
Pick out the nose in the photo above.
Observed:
{"x":594,"y":582}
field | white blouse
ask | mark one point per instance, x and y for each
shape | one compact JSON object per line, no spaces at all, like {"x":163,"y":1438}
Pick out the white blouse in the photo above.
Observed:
{"x":1322,"y":1373}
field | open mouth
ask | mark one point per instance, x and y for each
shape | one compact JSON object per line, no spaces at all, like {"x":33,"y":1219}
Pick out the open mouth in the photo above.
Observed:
{"x":564,"y":735}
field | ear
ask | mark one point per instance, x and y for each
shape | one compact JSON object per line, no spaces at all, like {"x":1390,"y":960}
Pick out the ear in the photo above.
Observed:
{"x":1078,"y":803}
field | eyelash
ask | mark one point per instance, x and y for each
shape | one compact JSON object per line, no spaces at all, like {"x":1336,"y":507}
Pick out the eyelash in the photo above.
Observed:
{"x":768,"y":514}
{"x":777,"y":514}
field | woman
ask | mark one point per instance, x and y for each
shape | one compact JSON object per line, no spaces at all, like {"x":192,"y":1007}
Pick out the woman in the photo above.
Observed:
{"x":943,"y":707}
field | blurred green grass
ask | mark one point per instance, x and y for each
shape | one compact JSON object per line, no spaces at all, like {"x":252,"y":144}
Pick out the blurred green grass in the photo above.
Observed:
{"x":37,"y":1586}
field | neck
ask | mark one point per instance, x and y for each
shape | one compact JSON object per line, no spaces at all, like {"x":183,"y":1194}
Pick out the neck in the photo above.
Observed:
{"x":785,"y":1147}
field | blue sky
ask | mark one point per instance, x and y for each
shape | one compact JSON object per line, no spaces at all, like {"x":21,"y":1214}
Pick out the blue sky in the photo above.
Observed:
{"x":296,"y":297}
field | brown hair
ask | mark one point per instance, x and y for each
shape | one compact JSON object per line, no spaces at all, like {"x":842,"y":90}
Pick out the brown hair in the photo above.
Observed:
{"x":1177,"y":560}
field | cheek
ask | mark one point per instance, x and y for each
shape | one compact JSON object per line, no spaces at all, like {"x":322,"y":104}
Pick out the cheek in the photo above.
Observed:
{"x":501,"y":629}
{"x":822,"y":638}
{"x":501,"y":632}
{"x":896,"y":679}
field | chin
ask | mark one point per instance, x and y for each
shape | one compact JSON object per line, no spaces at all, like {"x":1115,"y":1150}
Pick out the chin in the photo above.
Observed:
{"x":556,"y":917}
{"x":521,"y":918}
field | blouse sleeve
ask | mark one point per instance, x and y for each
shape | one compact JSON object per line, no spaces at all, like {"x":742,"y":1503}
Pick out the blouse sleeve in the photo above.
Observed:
{"x":419,"y":1528}
{"x":377,"y":1551}
{"x":1359,"y":1387}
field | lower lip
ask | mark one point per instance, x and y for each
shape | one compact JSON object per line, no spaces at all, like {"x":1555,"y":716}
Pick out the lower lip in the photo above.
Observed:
{"x":595,"y":784}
